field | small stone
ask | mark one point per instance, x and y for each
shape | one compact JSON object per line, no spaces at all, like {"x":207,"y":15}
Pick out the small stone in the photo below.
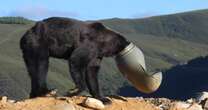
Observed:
{"x":52,"y":93}
{"x":4,"y":99}
{"x":139,"y":98}
{"x":11,"y":101}
{"x":94,"y":103}
{"x":190,"y":101}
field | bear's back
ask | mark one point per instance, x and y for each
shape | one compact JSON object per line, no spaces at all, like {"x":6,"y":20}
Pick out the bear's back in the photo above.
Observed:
{"x":62,"y":23}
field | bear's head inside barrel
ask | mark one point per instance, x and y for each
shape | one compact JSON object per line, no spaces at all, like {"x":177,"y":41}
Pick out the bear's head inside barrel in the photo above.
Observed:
{"x":131,"y":63}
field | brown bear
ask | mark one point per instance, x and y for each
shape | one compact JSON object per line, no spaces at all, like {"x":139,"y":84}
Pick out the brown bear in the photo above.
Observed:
{"x":82,"y":44}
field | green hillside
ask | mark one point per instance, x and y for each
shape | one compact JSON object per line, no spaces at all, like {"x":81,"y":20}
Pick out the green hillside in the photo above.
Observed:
{"x":165,"y":40}
{"x":14,"y":20}
{"x":190,"y":26}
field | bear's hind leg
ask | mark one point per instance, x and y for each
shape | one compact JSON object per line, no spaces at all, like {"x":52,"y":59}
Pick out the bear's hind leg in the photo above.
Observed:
{"x":42,"y":70}
{"x":37,"y":66}
{"x":31,"y":65}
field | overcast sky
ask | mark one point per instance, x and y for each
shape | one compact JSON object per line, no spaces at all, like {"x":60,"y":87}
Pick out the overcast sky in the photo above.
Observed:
{"x":97,"y":9}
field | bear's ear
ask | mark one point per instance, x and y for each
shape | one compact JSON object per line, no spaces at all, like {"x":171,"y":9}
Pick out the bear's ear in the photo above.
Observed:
{"x":97,"y":26}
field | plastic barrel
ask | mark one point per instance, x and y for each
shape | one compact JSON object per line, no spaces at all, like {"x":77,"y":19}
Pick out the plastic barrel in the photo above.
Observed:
{"x":131,"y":63}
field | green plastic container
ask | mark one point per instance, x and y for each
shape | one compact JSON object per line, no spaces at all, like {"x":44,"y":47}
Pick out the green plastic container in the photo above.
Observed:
{"x":131,"y":63}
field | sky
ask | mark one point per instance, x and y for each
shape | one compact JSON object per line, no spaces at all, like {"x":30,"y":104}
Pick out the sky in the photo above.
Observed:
{"x":97,"y":9}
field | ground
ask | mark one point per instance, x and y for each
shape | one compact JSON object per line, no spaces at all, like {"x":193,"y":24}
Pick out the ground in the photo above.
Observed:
{"x":64,"y":103}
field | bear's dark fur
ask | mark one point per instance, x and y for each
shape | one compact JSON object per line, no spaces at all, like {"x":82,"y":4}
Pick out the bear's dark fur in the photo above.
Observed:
{"x":82,"y":44}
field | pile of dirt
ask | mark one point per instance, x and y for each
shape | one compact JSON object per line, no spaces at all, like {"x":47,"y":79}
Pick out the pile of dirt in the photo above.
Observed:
{"x":76,"y":103}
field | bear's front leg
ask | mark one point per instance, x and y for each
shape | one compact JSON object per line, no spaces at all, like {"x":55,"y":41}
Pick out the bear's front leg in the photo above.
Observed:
{"x":77,"y":64}
{"x":92,"y":80}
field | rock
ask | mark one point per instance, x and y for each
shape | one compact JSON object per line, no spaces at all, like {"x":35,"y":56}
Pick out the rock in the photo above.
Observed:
{"x":186,"y":106}
{"x":11,"y":101}
{"x":202,"y":96}
{"x":190,"y":101}
{"x":93,"y":103}
{"x":139,"y":98}
{"x":52,"y":93}
{"x":4,"y":99}
{"x":204,"y":104}
{"x":180,"y":105}
{"x":163,"y":107}
{"x":203,"y":100}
